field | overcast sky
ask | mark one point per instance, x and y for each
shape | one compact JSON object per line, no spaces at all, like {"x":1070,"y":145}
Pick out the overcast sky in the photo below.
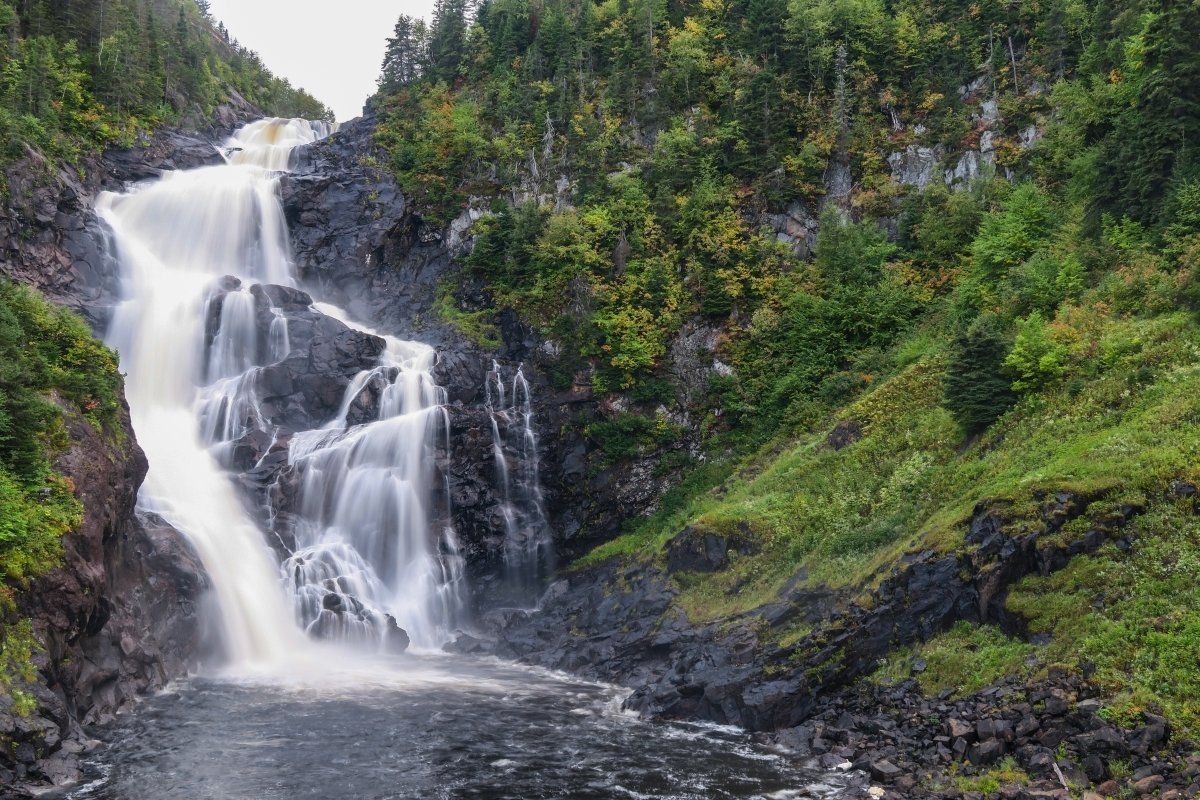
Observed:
{"x":332,"y":48}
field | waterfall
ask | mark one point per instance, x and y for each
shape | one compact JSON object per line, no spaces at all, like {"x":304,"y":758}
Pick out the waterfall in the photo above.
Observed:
{"x":528,"y":545}
{"x":370,"y":553}
{"x":365,"y":516}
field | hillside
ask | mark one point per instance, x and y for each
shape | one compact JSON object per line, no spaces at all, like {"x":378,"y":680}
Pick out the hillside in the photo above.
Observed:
{"x":79,"y":77}
{"x":942,"y":261}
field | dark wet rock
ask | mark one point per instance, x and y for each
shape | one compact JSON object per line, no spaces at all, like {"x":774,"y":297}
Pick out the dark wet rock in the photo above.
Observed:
{"x":694,"y":550}
{"x":844,"y":434}
{"x":306,"y":389}
{"x":395,"y":639}
{"x":984,"y":753}
{"x":118,"y":619}
{"x":356,"y":238}
{"x":468,"y":645}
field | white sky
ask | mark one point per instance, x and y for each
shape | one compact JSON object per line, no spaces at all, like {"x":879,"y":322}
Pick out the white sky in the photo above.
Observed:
{"x":332,"y":48}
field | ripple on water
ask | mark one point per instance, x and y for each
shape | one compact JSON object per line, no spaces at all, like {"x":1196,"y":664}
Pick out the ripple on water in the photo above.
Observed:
{"x":424,"y":728}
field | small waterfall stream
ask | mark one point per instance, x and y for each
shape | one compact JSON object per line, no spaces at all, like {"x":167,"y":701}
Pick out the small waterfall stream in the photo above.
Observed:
{"x":528,"y":545}
{"x":193,"y":247}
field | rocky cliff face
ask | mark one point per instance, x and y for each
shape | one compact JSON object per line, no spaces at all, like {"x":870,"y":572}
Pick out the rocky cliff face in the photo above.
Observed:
{"x":50,"y":238}
{"x":120,"y":617}
{"x":358,"y":241}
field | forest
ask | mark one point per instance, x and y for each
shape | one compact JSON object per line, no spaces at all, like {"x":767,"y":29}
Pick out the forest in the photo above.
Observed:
{"x":81,"y":75}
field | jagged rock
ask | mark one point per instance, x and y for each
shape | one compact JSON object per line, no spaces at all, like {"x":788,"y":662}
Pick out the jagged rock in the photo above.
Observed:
{"x":697,"y":551}
{"x":118,"y":619}
{"x":844,"y":434}
{"x":395,"y":640}
{"x":916,"y":165}
{"x":796,"y":227}
{"x":1149,"y":784}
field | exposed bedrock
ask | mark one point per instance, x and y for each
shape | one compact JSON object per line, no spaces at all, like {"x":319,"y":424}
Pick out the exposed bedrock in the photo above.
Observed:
{"x":118,"y":619}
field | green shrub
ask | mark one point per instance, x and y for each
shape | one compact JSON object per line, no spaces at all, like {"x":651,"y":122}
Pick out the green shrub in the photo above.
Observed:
{"x":1012,"y":234}
{"x":1036,"y":360}
{"x":627,"y":435}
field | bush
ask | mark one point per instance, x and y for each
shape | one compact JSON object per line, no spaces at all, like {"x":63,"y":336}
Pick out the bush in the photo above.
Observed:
{"x":1036,"y":360}
{"x":1011,"y":235}
{"x":625,"y":436}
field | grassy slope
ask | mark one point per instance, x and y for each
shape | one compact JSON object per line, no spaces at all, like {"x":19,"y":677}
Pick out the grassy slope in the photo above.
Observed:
{"x":1120,"y":435}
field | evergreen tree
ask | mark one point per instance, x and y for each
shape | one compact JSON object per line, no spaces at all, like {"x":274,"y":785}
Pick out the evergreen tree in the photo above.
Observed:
{"x":447,"y":39}
{"x":403,"y":59}
{"x":978,"y":391}
{"x":1155,"y":140}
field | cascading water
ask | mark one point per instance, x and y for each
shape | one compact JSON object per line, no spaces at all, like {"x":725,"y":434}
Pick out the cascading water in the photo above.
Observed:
{"x":363,"y":534}
{"x":194,"y":247}
{"x":528,"y":545}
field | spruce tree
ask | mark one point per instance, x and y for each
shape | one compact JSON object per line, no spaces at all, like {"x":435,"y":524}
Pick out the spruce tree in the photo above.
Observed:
{"x":1153,"y":142}
{"x":977,"y":389}
{"x":447,"y":39}
{"x":402,"y":59}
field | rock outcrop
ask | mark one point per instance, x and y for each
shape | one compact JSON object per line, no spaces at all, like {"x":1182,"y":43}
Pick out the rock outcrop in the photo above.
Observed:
{"x":118,"y":619}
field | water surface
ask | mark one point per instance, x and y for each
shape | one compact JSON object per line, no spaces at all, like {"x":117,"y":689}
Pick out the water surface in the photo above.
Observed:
{"x":423,"y":728}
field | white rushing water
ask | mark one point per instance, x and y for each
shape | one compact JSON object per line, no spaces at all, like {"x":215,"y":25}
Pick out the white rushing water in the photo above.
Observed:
{"x":366,"y":552}
{"x":528,"y":546}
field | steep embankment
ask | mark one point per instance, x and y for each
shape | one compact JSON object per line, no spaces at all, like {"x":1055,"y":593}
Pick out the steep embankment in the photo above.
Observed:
{"x":873,"y":330}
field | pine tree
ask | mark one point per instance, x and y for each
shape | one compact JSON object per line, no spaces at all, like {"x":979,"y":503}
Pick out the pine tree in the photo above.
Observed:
{"x":447,"y":39}
{"x":977,"y":389}
{"x":1154,"y":141}
{"x":402,"y":59}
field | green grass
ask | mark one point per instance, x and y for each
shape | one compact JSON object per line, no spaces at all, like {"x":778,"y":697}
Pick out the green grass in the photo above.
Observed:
{"x":1135,"y":616}
{"x":1006,"y":773}
{"x":1123,"y":428}
{"x":476,"y":326}
{"x":966,"y":659}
